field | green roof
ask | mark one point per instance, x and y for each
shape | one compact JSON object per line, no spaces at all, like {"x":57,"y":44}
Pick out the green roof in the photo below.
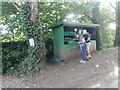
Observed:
{"x":66,"y":23}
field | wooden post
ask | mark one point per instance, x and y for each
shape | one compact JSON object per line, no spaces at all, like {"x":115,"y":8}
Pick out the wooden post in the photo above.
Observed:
{"x":118,"y":23}
{"x":117,"y":36}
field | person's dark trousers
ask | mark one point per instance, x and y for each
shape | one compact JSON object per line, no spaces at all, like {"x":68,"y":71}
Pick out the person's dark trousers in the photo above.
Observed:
{"x":84,"y":52}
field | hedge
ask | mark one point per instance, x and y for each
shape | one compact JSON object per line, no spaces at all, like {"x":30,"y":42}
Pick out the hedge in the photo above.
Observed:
{"x":14,"y":53}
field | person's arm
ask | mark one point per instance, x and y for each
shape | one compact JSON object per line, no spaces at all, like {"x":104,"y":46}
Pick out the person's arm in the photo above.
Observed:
{"x":88,"y":37}
{"x":83,"y":41}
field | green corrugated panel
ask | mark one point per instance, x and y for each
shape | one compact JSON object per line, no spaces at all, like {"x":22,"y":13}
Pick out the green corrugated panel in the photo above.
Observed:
{"x":72,"y":42}
{"x":79,"y":24}
{"x":66,"y":23}
{"x":58,"y":40}
{"x":57,"y":24}
{"x":69,"y":33}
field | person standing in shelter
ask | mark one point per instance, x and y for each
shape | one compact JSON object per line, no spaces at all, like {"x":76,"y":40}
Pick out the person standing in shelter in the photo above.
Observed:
{"x":83,"y":47}
{"x":87,"y":40}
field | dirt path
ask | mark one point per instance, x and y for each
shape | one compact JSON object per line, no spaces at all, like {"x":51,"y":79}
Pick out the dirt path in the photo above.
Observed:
{"x":72,"y":75}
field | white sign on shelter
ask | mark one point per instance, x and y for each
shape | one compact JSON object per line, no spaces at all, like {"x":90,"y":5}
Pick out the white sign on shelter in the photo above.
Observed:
{"x":31,"y":41}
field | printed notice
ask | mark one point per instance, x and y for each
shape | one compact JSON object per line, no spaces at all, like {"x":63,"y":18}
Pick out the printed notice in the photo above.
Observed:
{"x":31,"y":41}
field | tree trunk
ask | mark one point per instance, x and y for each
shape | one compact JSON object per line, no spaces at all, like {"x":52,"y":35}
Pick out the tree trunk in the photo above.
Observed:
{"x":39,"y":44}
{"x":117,"y":36}
{"x":96,"y":20}
{"x":33,"y":29}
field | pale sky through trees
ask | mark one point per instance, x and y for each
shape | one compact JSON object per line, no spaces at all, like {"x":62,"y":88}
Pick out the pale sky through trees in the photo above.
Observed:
{"x":104,"y":3}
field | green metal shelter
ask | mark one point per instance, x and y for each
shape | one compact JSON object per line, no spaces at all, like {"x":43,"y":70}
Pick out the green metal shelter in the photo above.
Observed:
{"x":65,"y":41}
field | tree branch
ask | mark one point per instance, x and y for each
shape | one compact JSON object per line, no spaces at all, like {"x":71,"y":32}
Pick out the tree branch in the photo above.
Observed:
{"x":112,"y":6}
{"x":17,"y":6}
{"x":110,"y":18}
{"x":89,"y":17}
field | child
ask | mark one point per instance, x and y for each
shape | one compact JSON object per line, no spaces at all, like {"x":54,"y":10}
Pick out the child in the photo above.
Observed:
{"x":83,"y":47}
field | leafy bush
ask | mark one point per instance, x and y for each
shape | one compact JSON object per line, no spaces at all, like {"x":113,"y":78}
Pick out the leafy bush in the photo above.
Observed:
{"x":13,"y":54}
{"x":49,"y":48}
{"x":48,"y":40}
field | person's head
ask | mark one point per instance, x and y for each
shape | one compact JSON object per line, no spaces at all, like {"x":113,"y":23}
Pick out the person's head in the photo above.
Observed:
{"x":84,"y":31}
{"x":78,"y":35}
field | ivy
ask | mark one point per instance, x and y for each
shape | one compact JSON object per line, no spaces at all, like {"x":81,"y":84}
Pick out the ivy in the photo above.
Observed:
{"x":31,"y":30}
